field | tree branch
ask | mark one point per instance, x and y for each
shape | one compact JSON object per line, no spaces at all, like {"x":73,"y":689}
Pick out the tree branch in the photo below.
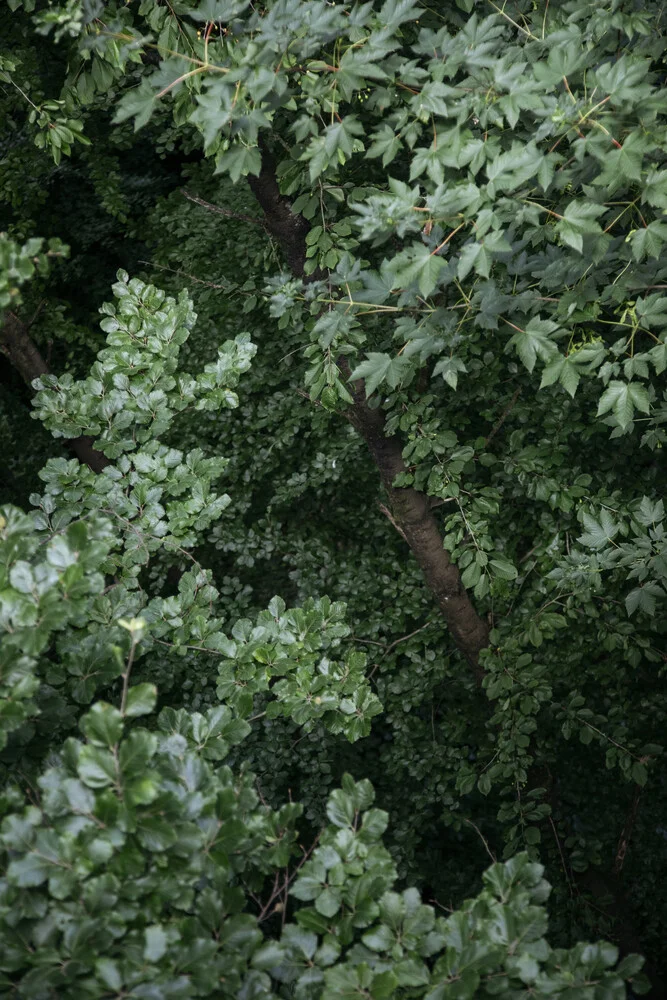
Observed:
{"x":195,"y":199}
{"x":412,"y":515}
{"x":287,"y":228}
{"x":410,"y":510}
{"x":503,"y":417}
{"x":626,"y":832}
{"x":18,"y":346}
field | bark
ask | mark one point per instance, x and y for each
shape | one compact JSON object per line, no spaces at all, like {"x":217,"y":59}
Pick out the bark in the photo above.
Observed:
{"x":287,"y":228}
{"x":413,"y":515}
{"x":22,"y":352}
{"x":411,"y":510}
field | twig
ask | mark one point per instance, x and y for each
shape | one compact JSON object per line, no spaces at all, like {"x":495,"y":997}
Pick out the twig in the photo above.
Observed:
{"x":227,"y":212}
{"x":200,"y":649}
{"x":387,"y":649}
{"x":368,"y":642}
{"x":405,"y":637}
{"x":35,"y":315}
{"x":503,"y":417}
{"x":562,"y":856}
{"x":279,"y":890}
{"x":184,"y":274}
{"x":306,"y":395}
{"x":626,"y":832}
{"x":126,"y":675}
{"x":387,"y":513}
{"x":482,"y":838}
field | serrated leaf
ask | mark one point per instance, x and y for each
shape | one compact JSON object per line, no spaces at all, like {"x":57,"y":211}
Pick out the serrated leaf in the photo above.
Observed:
{"x":534,"y":342}
{"x":622,"y":398}
{"x":418,"y":264}
{"x":379,"y":368}
{"x":562,"y":370}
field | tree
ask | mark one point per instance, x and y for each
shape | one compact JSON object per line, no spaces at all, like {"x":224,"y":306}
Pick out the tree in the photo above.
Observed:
{"x":463,"y":201}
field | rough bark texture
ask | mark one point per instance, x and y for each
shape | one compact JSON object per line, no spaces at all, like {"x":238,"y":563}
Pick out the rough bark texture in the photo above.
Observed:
{"x":288,"y":229}
{"x":18,"y":346}
{"x":411,"y":510}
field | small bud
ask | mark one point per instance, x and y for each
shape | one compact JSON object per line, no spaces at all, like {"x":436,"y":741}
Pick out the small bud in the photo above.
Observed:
{"x":133,"y":625}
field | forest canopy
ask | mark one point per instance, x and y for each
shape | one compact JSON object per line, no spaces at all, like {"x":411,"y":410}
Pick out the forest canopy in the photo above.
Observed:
{"x":333,"y":560}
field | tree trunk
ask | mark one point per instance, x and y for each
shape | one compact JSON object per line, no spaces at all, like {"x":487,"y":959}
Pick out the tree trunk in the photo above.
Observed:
{"x":17,"y":344}
{"x":411,"y":509}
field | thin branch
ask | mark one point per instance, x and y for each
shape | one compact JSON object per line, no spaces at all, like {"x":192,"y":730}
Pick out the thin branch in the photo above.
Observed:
{"x":184,"y":274}
{"x":503,"y":417}
{"x":562,"y":856}
{"x":306,"y":395}
{"x":626,"y":832}
{"x":126,"y":675}
{"x":387,"y":513}
{"x":404,"y":638}
{"x":227,"y":212}
{"x":482,"y":838}
{"x":387,"y":649}
{"x":282,"y":890}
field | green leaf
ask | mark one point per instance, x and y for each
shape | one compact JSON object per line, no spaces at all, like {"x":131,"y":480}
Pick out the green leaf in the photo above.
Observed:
{"x":420,"y":265}
{"x":96,"y":767}
{"x":218,"y":10}
{"x":29,"y":871}
{"x":379,"y":368}
{"x":563,"y":370}
{"x":622,"y":398}
{"x":155,"y":943}
{"x":141,"y":700}
{"x":579,"y":220}
{"x":239,"y":161}
{"x":139,"y":104}
{"x":108,"y":972}
{"x":600,"y":532}
{"x":639,"y":773}
{"x":535,"y":342}
{"x":383,"y":985}
{"x":503,"y":568}
{"x":385,"y":144}
{"x":103,"y":725}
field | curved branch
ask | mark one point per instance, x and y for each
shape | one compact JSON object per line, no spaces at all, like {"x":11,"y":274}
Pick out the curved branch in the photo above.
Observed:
{"x":410,"y":509}
{"x":24,"y":355}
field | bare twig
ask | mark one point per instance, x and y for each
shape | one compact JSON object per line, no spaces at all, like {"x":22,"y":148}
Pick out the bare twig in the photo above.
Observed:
{"x":184,"y":274}
{"x":387,"y":513}
{"x":562,"y":856}
{"x":126,"y":675}
{"x":405,"y":637}
{"x":482,"y":838}
{"x":278,"y":891}
{"x":387,"y":649}
{"x":503,"y":417}
{"x":626,"y":832}
{"x":36,"y":314}
{"x":227,"y":212}
{"x":306,"y":395}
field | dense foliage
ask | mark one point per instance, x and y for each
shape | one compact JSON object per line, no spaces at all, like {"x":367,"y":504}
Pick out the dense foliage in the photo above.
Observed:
{"x":397,"y":282}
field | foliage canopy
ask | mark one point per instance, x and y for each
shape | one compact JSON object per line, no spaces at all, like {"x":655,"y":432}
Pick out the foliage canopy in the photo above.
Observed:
{"x":397,"y":281}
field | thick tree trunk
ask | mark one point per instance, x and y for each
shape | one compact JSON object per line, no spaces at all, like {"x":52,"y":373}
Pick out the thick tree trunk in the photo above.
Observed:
{"x":286,"y":227}
{"x":18,"y":346}
{"x":411,"y":509}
